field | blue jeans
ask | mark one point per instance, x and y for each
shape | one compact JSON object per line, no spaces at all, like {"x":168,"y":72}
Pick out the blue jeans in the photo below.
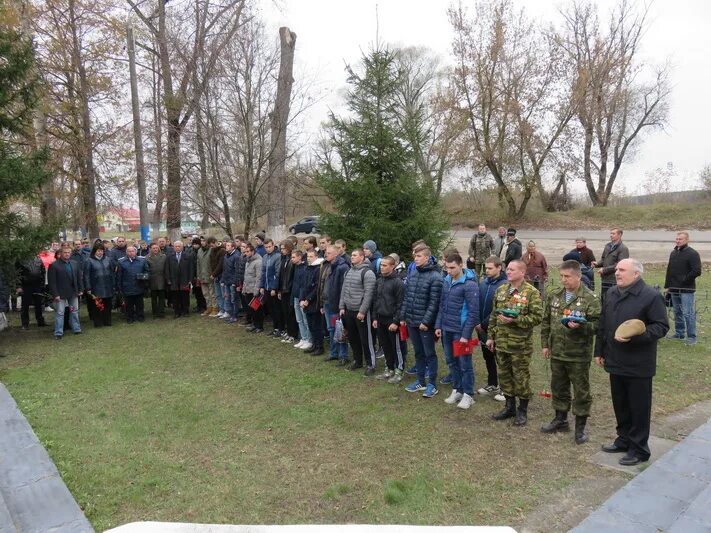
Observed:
{"x":59,"y":308}
{"x":684,"y":314}
{"x":423,"y":342}
{"x":230,"y":300}
{"x":219,"y":297}
{"x":460,"y":368}
{"x":338,"y":349}
{"x":301,"y":321}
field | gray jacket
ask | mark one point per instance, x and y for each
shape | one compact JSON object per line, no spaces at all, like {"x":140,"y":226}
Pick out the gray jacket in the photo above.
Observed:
{"x":612,"y":255}
{"x":252,"y":274}
{"x":358,"y":288}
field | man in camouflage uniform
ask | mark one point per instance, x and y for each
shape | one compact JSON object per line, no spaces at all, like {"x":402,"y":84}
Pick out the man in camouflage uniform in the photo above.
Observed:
{"x":567,"y":333}
{"x":481,"y":247}
{"x":517,"y":310}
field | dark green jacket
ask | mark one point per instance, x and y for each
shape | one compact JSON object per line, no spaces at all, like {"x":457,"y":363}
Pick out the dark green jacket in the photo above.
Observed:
{"x":568,"y":344}
{"x":517,"y":336}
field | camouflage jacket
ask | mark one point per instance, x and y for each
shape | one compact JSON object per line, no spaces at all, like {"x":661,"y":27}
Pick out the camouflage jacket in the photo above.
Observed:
{"x":568,"y":344}
{"x":481,"y":247}
{"x":518,"y":335}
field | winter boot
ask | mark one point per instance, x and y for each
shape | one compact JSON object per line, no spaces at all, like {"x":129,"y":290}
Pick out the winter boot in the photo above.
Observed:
{"x":522,"y":413}
{"x":508,"y":411}
{"x":581,"y":434}
{"x":559,"y":423}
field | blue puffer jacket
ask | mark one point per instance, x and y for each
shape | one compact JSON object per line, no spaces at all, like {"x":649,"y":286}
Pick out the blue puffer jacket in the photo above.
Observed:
{"x":459,"y":305}
{"x":127,"y":283}
{"x":298,"y":285}
{"x":99,"y":277}
{"x":487,"y":290}
{"x":271,"y":264}
{"x":334,"y":283}
{"x":229,"y":268}
{"x":422,"y":294}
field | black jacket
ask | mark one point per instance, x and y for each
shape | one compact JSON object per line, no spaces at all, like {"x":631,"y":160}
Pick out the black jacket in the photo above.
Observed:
{"x":286,"y":274}
{"x":683,"y":269}
{"x":513,"y":252}
{"x":31,"y":273}
{"x":638,"y":357}
{"x":310,"y":291}
{"x":387,"y":300}
{"x":611,"y":255}
{"x":63,"y":282}
{"x":179,"y":275}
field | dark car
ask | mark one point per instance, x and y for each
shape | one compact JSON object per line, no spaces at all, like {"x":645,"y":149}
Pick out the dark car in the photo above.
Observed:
{"x":305,"y":225}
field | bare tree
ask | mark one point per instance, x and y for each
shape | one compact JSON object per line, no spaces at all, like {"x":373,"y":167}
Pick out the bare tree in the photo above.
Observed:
{"x":201,"y":31}
{"x":615,"y":101}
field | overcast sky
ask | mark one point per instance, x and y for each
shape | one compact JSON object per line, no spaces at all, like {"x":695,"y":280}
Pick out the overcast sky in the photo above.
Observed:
{"x":331,"y":33}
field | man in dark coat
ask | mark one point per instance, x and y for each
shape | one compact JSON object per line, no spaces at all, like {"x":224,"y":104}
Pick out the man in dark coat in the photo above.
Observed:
{"x":179,"y":272}
{"x":65,"y":285}
{"x":156,"y":263}
{"x":132,"y":277}
{"x":680,"y":283}
{"x":614,"y":252}
{"x":631,"y":359}
{"x":512,"y":249}
{"x":31,"y":274}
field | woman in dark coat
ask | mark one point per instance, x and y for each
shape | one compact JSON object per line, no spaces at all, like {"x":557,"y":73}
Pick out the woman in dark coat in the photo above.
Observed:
{"x":99,"y":282}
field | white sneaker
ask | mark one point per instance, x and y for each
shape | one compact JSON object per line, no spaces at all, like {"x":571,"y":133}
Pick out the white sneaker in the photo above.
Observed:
{"x":499,"y":397}
{"x":307,"y":346}
{"x":454,"y":397}
{"x":299,"y":344}
{"x":466,"y":402}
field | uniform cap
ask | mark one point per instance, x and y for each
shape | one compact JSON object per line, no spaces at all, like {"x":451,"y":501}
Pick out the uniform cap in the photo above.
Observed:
{"x":630,"y":328}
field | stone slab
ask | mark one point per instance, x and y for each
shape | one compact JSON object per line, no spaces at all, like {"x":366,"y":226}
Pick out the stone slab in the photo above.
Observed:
{"x":175,"y":527}
{"x":678,"y":425}
{"x":33,"y":497}
{"x":657,"y":445}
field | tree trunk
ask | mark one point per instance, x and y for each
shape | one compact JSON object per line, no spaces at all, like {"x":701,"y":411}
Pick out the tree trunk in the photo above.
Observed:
{"x":279,"y":121}
{"x":199,"y":139}
{"x":173,"y":208}
{"x":137,"y":136}
{"x":158,"y":139}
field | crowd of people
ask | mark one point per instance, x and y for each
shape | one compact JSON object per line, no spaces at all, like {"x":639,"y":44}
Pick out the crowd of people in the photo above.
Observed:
{"x":367,"y":305}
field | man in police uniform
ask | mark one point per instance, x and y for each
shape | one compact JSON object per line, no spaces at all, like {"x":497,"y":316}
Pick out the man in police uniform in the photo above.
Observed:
{"x":567,"y":333}
{"x":517,"y":310}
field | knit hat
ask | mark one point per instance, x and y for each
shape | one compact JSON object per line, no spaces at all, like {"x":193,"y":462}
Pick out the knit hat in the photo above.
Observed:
{"x":370,"y":245}
{"x":260,"y":236}
{"x":630,"y":328}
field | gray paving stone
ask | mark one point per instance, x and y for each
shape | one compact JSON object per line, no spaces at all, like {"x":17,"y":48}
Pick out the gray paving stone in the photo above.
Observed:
{"x":687,"y":525}
{"x":658,"y":446}
{"x":700,"y":508}
{"x":7,"y":525}
{"x":609,"y":522}
{"x":646,"y":507}
{"x":669,"y":484}
{"x":688,"y":465}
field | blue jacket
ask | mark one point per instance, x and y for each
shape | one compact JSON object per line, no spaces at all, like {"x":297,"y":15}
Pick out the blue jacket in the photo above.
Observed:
{"x":99,"y":277}
{"x":459,"y":305}
{"x":271,"y":265}
{"x":261,"y":250}
{"x":334,"y":283}
{"x":412,"y":266}
{"x":487,"y":290}
{"x":422,"y":294}
{"x":126,"y":275}
{"x":299,"y":283}
{"x":375,"y":262}
{"x":229,"y":268}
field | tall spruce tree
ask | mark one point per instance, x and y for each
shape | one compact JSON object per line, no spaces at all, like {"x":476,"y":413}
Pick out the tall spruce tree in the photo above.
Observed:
{"x":22,"y":170}
{"x":369,"y":172}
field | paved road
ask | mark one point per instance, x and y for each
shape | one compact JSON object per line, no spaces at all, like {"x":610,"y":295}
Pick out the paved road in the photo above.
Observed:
{"x":651,"y":246}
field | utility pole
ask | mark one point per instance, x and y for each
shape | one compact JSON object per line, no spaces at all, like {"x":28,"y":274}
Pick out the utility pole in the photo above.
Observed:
{"x":137,"y":137}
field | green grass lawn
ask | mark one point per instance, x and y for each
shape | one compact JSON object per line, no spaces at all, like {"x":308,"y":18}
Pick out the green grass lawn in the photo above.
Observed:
{"x":193,"y":420}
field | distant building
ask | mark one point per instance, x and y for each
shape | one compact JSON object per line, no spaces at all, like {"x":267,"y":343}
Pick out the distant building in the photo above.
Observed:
{"x":119,"y":219}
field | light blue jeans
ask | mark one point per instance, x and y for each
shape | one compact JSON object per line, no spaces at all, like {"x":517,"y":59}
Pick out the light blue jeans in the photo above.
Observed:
{"x":684,"y":314}
{"x":338,"y":349}
{"x":304,"y":332}
{"x":460,"y":368}
{"x":59,"y":308}
{"x":218,"y":297}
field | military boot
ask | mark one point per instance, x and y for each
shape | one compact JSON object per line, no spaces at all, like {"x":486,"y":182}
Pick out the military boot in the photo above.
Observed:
{"x":522,"y":413}
{"x":508,"y":411}
{"x":559,"y":423}
{"x":581,"y":434}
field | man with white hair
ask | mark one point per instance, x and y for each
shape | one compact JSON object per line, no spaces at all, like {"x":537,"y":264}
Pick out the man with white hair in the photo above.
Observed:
{"x":633,"y":319}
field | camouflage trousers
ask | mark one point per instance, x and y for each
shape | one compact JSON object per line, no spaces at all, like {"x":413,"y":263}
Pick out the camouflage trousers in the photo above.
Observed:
{"x":514,"y":373}
{"x":479,"y":269}
{"x":565,"y":373}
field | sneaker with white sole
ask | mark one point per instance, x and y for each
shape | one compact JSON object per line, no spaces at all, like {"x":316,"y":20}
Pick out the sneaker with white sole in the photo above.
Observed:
{"x":299,"y":344}
{"x":499,"y":397}
{"x":414,"y":387}
{"x":488,"y":390}
{"x":453,"y":398}
{"x":466,"y":402}
{"x":430,"y":391}
{"x":385,"y":375}
{"x":307,"y":346}
{"x":397,"y":377}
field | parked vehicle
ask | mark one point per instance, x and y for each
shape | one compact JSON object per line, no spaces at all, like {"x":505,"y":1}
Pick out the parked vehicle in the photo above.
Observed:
{"x":305,"y":225}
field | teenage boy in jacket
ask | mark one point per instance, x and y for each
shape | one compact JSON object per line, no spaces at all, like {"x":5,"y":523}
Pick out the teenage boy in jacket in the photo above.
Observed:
{"x":252,"y":282}
{"x":286,"y":278}
{"x":271,"y":266}
{"x":458,"y":315}
{"x":356,"y":297}
{"x":495,"y":276}
{"x":419,"y":313}
{"x":310,"y":302}
{"x":297,"y":290}
{"x":389,"y":292}
{"x":229,"y":282}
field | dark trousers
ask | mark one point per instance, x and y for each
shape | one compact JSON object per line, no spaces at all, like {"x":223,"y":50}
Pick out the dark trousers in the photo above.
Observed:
{"x":632,"y":401}
{"x":490,"y":361}
{"x":30,"y":295}
{"x":359,"y":337}
{"x":604,"y":286}
{"x":134,"y":307}
{"x":200,"y":301}
{"x":390,"y":343}
{"x":103,"y":317}
{"x":255,"y":317}
{"x":288,"y":315}
{"x":181,"y":302}
{"x":316,"y":328}
{"x":158,"y":303}
{"x":273,"y":307}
